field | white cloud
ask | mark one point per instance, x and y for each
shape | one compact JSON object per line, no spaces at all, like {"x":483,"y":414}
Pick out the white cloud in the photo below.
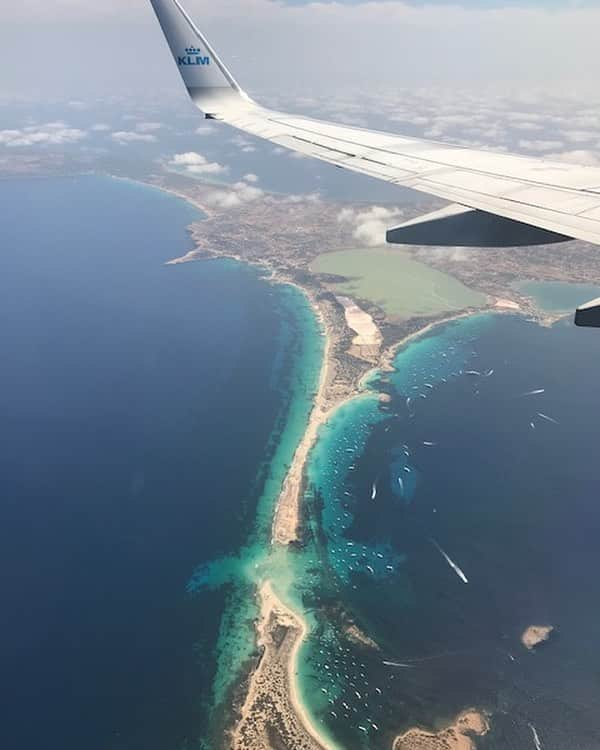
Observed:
{"x":206,"y":130}
{"x":580,"y":136}
{"x":54,"y":125}
{"x":369,"y":226}
{"x":585,"y":158}
{"x":251,"y":177}
{"x":196,"y":163}
{"x":235,"y":195}
{"x":246,"y":146}
{"x":50,"y":134}
{"x":528,"y":126}
{"x":454,"y":254}
{"x":130,"y":136}
{"x":540,"y":145}
{"x":148,"y":127}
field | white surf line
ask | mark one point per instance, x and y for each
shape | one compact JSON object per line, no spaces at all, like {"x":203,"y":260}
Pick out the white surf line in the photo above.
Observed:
{"x":398,"y":664}
{"x":536,"y":392}
{"x":450,"y":562}
{"x":536,"y":738}
{"x":547,"y":418}
{"x":374,"y":491}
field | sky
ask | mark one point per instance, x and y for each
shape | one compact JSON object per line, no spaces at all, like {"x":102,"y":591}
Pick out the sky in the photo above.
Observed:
{"x":94,"y":80}
{"x":91,"y":48}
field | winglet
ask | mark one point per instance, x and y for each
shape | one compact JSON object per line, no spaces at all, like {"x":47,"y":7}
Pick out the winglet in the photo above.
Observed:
{"x":210,"y":85}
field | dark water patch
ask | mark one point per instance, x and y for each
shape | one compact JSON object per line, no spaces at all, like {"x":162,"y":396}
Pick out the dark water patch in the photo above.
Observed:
{"x":514,"y":507}
{"x":137,"y":405}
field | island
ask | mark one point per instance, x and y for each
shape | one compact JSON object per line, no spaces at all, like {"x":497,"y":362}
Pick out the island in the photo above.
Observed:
{"x":365,"y":318}
{"x":272,"y":714}
{"x":458,"y":736}
{"x":536,"y":635}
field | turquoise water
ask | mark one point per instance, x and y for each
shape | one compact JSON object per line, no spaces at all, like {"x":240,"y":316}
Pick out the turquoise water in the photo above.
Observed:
{"x":242,"y":573}
{"x":149,"y":416}
{"x":558,"y":296}
{"x":495,"y":417}
{"x":350,"y":553}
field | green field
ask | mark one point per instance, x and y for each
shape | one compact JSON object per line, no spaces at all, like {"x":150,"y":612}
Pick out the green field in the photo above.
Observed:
{"x":396,"y":283}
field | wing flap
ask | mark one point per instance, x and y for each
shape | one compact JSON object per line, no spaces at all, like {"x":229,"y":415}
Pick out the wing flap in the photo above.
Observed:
{"x":456,"y":225}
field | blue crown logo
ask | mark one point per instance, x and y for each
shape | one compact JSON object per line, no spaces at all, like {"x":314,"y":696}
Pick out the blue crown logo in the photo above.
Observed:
{"x":193,"y":56}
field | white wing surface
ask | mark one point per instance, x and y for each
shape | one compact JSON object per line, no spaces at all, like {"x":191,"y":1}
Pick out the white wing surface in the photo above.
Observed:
{"x":561,"y":199}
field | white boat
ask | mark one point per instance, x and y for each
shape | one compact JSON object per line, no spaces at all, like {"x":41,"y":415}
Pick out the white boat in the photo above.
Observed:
{"x":451,"y":562}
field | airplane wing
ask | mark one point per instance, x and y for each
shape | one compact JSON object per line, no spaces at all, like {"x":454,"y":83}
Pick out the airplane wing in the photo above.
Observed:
{"x":519,"y":199}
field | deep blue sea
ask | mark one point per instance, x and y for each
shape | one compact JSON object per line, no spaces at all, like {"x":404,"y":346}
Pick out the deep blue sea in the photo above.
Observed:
{"x":489,"y":450}
{"x":138,"y":403}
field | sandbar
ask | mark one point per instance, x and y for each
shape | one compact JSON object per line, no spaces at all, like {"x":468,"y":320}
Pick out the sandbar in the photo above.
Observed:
{"x":273,"y":714}
{"x":286,"y":521}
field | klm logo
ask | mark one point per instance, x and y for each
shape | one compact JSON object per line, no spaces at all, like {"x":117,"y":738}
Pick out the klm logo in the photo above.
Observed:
{"x":193,"y":56}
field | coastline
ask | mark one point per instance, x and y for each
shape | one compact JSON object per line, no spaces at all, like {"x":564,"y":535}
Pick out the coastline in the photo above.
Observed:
{"x":273,"y":702}
{"x":169,"y":191}
{"x":279,"y":604}
{"x":273,"y":705}
{"x":286,"y":518}
{"x":274,"y":612}
{"x":460,"y":735}
{"x":288,"y":511}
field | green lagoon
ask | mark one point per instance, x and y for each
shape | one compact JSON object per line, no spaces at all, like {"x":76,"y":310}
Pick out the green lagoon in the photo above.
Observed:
{"x":395,"y":282}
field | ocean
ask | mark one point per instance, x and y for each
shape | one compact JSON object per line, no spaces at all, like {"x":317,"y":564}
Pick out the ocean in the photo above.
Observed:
{"x":147,"y":414}
{"x":487,"y":450}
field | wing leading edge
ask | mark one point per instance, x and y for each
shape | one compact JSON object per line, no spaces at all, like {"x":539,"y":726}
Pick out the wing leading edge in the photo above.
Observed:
{"x":561,"y":199}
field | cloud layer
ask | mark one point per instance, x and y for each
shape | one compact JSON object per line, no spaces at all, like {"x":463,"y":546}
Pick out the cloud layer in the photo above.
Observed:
{"x":369,"y":226}
{"x":197,"y":164}
{"x":131,"y":136}
{"x":50,"y":134}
